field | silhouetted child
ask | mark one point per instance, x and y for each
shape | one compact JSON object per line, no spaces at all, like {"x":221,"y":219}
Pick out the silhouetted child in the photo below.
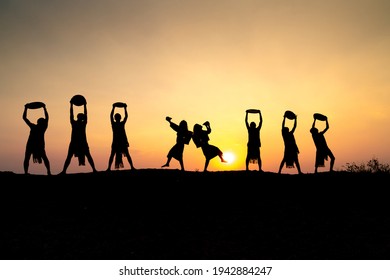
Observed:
{"x":35,"y":146}
{"x":201,"y":139}
{"x":322,"y":149}
{"x":183,"y":137}
{"x":120,"y":144}
{"x":291,"y":150}
{"x":254,"y":144}
{"x":78,"y":145}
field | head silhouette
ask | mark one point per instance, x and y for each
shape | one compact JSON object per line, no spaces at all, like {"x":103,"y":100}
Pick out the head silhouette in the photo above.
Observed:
{"x":285,"y":129}
{"x":80,"y":117}
{"x":41,"y":122}
{"x":117,"y":117}
{"x":314,"y":130}
{"x":197,"y":128}
{"x":252,"y":125}
{"x":183,"y":125}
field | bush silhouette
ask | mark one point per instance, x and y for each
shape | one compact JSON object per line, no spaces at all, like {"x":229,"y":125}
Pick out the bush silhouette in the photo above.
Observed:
{"x":372,"y":166}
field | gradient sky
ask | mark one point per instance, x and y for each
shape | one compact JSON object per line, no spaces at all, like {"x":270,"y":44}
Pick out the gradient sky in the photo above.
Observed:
{"x":198,"y":61}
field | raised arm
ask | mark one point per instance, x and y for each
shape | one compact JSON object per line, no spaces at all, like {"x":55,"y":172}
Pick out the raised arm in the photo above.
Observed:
{"x":314,"y":124}
{"x":85,"y":113}
{"x":295,"y":124}
{"x":112,"y":114}
{"x":208,"y":127}
{"x":71,"y":113}
{"x":326,"y":126}
{"x":126,"y":114}
{"x":46,"y":113}
{"x":246,"y":120}
{"x":261,"y":120}
{"x":284,"y":122}
{"x":25,"y":115}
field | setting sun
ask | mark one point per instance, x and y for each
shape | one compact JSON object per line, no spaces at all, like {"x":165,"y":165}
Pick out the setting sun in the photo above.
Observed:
{"x":229,"y":157}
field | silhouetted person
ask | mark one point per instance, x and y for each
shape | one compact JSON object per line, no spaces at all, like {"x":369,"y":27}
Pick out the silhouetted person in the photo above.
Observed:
{"x":201,"y":139}
{"x":35,"y":146}
{"x":254,"y":144}
{"x":322,"y":149}
{"x":120,"y":144}
{"x":183,"y":137}
{"x":291,"y":150}
{"x":78,"y":145}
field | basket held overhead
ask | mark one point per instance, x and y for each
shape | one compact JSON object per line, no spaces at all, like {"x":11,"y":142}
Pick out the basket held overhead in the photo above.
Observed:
{"x":78,"y":100}
{"x":35,"y":105}
{"x":290,"y":115}
{"x":253,"y":111}
{"x":320,"y":117}
{"x":119,"y":104}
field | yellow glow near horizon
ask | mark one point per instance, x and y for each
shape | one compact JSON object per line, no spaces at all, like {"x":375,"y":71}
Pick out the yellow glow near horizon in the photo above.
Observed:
{"x":229,"y":157}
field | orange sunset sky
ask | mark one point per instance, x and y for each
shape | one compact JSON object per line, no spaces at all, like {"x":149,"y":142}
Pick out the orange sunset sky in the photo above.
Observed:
{"x":198,"y":61}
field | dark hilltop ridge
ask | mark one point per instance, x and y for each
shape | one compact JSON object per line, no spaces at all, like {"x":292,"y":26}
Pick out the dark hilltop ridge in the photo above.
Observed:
{"x":170,"y":214}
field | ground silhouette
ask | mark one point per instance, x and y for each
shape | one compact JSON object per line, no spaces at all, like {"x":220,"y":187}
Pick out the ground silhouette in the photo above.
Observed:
{"x":171,"y":214}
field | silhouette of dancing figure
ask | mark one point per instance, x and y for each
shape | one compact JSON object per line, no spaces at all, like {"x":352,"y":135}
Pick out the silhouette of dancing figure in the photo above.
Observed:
{"x":201,"y":139}
{"x":322,"y":149}
{"x":120,"y":144}
{"x":78,"y":145}
{"x":183,"y":137}
{"x":254,"y":144}
{"x":291,"y":150}
{"x":35,"y":146}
